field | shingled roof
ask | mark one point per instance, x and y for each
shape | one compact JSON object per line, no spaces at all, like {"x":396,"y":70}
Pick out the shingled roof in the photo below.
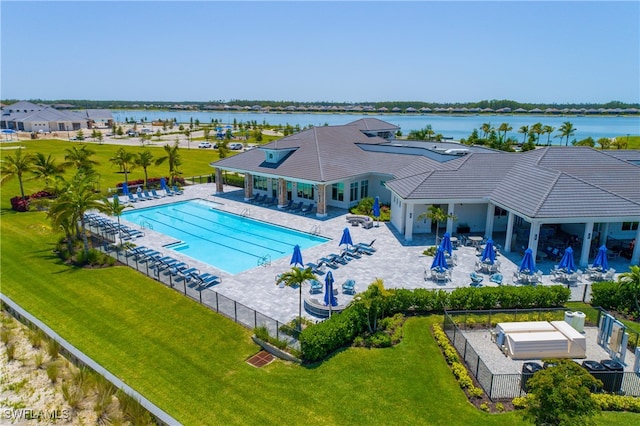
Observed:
{"x":550,"y":182}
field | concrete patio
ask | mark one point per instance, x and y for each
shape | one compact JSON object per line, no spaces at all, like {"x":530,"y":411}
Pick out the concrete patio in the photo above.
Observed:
{"x":399,"y":263}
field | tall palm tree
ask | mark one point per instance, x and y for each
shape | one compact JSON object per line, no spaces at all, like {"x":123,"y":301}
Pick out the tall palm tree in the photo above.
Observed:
{"x":295,"y":277}
{"x":486,"y":128}
{"x":125,"y":160}
{"x":631,"y":281}
{"x":173,"y":158}
{"x":74,"y":201}
{"x":536,"y":129}
{"x":504,"y":128}
{"x":525,"y":132}
{"x":115,"y":208}
{"x":548,"y":130}
{"x":80,"y":158}
{"x":15,"y":166}
{"x":144,"y":159}
{"x":46,"y":169}
{"x":437,"y":215}
{"x":566,"y":130}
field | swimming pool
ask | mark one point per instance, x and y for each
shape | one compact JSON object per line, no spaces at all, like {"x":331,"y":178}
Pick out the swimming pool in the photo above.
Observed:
{"x":227,"y":241}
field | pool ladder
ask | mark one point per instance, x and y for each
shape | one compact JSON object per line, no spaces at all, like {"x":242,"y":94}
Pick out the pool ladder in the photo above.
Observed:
{"x":145,"y":224}
{"x":264,"y":260}
{"x":246,"y":213}
{"x":315,"y":230}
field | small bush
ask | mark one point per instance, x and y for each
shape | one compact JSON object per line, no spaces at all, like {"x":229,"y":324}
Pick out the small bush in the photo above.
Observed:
{"x":5,"y":335}
{"x":53,"y":371}
{"x":520,"y":402}
{"x":11,"y":352}
{"x":72,"y":395}
{"x":38,"y":359}
{"x":500,"y":407}
{"x":430,"y":251}
{"x":475,"y":392}
{"x":609,"y":402}
{"x":53,"y":348}
{"x":484,"y":406}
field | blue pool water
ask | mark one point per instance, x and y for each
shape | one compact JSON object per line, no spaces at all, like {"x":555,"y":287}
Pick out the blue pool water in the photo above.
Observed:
{"x":227,"y":241}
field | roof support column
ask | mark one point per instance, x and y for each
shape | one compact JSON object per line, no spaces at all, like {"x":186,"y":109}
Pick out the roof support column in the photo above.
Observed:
{"x":408,"y":220}
{"x":604,"y":233}
{"x":321,"y":210}
{"x":533,"y":237}
{"x":450,"y":212}
{"x":507,"y":241}
{"x":248,"y":186}
{"x":586,"y":244}
{"x":219,"y":183}
{"x":488,"y":227}
{"x":635,"y":255}
{"x":282,"y":193}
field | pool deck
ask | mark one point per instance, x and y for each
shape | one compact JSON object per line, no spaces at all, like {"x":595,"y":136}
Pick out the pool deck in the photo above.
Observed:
{"x":399,"y":263}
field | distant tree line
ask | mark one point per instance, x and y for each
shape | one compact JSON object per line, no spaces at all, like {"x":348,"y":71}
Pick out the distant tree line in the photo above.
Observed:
{"x":493,"y":104}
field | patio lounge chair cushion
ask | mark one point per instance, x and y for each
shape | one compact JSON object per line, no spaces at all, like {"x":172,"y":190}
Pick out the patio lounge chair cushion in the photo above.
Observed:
{"x":349,"y":287}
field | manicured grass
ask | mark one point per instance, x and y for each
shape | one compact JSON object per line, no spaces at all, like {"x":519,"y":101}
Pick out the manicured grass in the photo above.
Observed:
{"x":634,"y":141}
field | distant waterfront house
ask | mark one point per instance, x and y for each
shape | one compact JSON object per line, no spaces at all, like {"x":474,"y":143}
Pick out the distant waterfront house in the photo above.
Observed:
{"x":29,"y":117}
{"x":519,"y":199}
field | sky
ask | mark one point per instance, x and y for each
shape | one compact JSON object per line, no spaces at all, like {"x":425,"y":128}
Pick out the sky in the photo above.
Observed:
{"x":538,"y":52}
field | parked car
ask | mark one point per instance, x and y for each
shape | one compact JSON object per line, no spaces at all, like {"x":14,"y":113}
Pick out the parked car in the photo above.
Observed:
{"x":235,"y":146}
{"x":204,"y":145}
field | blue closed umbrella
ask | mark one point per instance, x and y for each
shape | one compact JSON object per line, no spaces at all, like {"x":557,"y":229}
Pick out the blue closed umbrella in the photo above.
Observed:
{"x":125,"y":188}
{"x":346,"y":238}
{"x":163,"y":183}
{"x":376,"y":207}
{"x":329,"y":298}
{"x":446,"y":243}
{"x":528,"y":264}
{"x":567,"y":261}
{"x":296,"y":259}
{"x":439,"y":261}
{"x":489,"y":253}
{"x":601,"y":260}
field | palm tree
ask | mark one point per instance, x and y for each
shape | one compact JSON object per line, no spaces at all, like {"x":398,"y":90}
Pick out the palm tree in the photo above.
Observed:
{"x":74,"y":201}
{"x":566,"y":130}
{"x":525,"y":132}
{"x":114,"y":208}
{"x":631,"y":281}
{"x":373,"y":299}
{"x":437,"y":215}
{"x":605,"y":143}
{"x":46,"y":169}
{"x":144,"y":159}
{"x":125,"y":160}
{"x":486,"y":128}
{"x":173,"y":158}
{"x":536,"y":129}
{"x":504,"y":128}
{"x":14,"y":166}
{"x":295,"y":277}
{"x":79,"y":158}
{"x":548,"y":130}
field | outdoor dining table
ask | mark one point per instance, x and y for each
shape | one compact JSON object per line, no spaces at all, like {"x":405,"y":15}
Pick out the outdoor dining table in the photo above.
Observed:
{"x":475,"y":241}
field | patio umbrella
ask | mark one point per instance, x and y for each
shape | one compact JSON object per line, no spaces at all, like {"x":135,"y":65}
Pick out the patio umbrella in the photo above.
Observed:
{"x":489,"y":253}
{"x":329,"y":298}
{"x":163,"y":183}
{"x":601,"y":260}
{"x":446,"y":243}
{"x":567,"y":261}
{"x":439,"y":261}
{"x":296,"y":259}
{"x":346,"y":238}
{"x":528,"y":264}
{"x":125,"y":188}
{"x":376,"y":208}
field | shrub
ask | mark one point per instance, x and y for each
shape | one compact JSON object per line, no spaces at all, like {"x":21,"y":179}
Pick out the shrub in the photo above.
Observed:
{"x":430,"y":251}
{"x":500,"y":407}
{"x":11,"y":352}
{"x":519,"y":402}
{"x":609,"y":402}
{"x":53,"y":348}
{"x":53,"y":371}
{"x":484,"y":406}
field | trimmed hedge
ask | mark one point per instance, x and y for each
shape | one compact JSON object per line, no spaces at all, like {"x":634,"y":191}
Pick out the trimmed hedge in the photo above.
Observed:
{"x":611,"y":295}
{"x":318,"y":341}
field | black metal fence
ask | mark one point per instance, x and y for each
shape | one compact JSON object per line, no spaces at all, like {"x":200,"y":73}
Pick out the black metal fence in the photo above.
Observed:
{"x":508,"y":386}
{"x":239,"y":313}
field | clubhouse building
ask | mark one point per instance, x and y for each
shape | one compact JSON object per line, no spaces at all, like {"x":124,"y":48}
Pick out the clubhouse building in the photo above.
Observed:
{"x":545,"y":199}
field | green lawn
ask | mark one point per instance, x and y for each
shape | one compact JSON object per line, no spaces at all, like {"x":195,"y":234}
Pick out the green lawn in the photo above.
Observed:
{"x":191,"y":361}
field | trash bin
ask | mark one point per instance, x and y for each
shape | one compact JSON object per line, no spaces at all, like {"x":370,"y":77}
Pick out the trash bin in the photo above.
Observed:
{"x":568,"y":317}
{"x":597,"y":370}
{"x":528,"y":370}
{"x":578,"y":321}
{"x":615,"y":374}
